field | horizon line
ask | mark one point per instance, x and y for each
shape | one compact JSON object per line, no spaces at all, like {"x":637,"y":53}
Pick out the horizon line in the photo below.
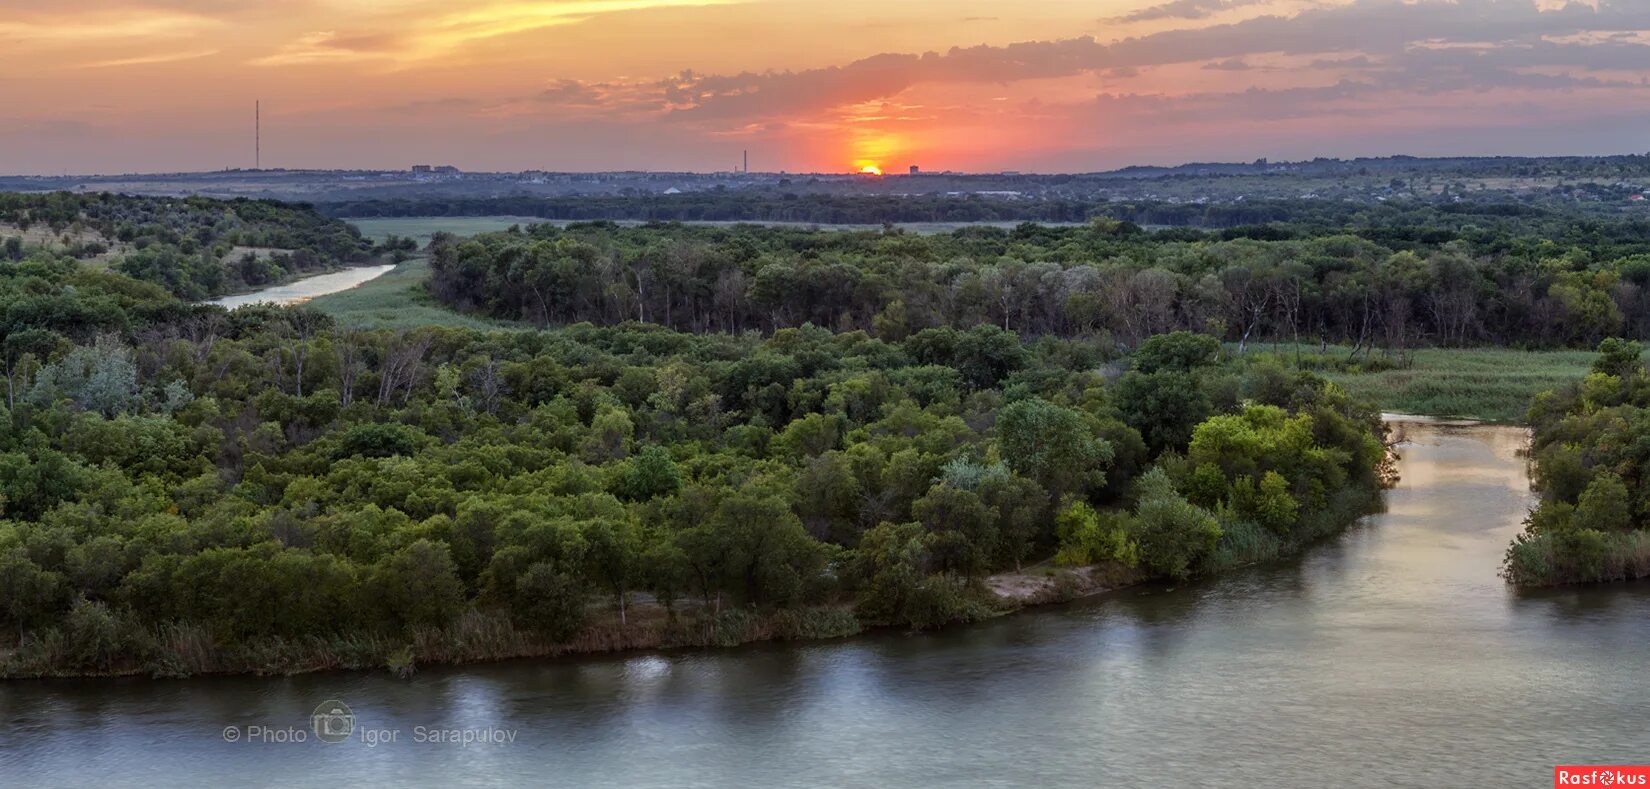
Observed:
{"x":895,"y":173}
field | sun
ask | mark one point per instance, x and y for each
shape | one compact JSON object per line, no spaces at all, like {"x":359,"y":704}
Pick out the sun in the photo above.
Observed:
{"x":870,"y":169}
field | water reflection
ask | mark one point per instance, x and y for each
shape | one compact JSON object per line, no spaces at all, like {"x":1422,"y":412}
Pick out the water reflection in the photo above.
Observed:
{"x":1392,"y":656}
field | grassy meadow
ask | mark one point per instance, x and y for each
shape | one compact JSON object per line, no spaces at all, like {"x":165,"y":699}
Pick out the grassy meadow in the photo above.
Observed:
{"x":1493,"y":384}
{"x":421,"y":228}
{"x":1490,"y":384}
{"x":397,"y":300}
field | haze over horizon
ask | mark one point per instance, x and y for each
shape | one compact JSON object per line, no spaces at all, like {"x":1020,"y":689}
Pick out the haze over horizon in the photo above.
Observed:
{"x":592,"y":85}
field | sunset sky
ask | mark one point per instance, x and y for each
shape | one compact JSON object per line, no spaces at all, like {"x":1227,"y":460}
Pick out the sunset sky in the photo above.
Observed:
{"x":102,"y":86}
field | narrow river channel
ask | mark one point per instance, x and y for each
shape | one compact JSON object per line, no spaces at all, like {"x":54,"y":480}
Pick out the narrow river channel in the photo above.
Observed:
{"x":303,"y":290}
{"x":1392,"y":656}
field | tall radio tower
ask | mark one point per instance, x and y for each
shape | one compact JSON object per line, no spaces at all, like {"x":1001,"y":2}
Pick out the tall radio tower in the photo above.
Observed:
{"x":257,"y":135}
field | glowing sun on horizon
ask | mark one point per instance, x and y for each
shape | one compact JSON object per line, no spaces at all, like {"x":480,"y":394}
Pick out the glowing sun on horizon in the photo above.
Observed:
{"x":870,"y":169}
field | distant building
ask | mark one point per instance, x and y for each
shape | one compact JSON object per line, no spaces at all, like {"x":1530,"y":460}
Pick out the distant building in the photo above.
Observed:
{"x":421,"y":169}
{"x":446,"y":169}
{"x":915,"y":170}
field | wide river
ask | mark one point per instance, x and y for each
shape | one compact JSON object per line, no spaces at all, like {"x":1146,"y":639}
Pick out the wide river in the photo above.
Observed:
{"x":1393,"y":656}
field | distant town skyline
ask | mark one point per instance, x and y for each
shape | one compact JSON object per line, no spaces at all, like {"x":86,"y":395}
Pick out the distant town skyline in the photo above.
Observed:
{"x":119,"y":86}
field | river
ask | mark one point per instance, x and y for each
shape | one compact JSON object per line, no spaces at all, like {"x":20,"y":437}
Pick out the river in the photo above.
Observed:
{"x":302,"y":290}
{"x":1392,"y":656}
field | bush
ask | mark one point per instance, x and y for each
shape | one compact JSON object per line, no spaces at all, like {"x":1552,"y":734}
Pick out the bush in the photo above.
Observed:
{"x":1182,"y":351}
{"x":92,"y":635}
{"x":1089,"y":537}
{"x":1575,"y":556}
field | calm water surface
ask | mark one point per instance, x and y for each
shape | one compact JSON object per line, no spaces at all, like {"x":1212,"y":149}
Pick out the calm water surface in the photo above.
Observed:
{"x":1393,"y":656}
{"x":303,"y":290}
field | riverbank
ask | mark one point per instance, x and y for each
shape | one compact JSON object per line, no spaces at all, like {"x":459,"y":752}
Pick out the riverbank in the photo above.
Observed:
{"x":180,"y":651}
{"x":1588,"y":448}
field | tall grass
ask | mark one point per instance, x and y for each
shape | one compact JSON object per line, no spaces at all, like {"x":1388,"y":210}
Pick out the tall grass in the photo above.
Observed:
{"x":1243,"y":543}
{"x":1492,"y":384}
{"x":398,"y":300}
{"x":421,"y":228}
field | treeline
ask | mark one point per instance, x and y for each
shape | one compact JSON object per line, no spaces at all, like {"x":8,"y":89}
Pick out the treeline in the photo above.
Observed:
{"x":1106,"y":279}
{"x":187,"y":489}
{"x":1591,"y":449}
{"x":1432,"y":218}
{"x":194,"y":247}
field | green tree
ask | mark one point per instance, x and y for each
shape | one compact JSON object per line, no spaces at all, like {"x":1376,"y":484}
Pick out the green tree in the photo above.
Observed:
{"x":28,"y":593}
{"x":418,"y":585}
{"x":895,"y":587}
{"x":1605,"y":505}
{"x":1180,"y":351}
{"x":549,"y":601}
{"x":1055,"y":446}
{"x":1165,"y":406}
{"x":1620,"y":358}
{"x":613,"y":552}
{"x":963,"y":530}
{"x":101,"y":377}
{"x":769,"y":556}
{"x":650,"y":474}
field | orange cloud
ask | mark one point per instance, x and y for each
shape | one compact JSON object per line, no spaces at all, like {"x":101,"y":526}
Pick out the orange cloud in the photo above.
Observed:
{"x":429,"y":33}
{"x":72,"y":30}
{"x":687,"y":84}
{"x":146,"y":60}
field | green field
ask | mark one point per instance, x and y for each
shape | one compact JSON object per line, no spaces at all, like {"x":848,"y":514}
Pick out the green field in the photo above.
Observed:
{"x":1493,"y":384}
{"x":420,"y":228}
{"x":397,"y":300}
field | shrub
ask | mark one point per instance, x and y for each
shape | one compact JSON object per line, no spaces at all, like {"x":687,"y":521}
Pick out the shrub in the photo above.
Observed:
{"x":1175,"y":536}
{"x":1089,"y":537}
{"x":92,"y":635}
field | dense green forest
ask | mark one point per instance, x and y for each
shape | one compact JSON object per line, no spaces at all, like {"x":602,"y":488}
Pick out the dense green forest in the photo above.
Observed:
{"x":720,"y":434}
{"x":1591,"y":449}
{"x":1531,"y":282}
{"x":190,"y":490}
{"x":194,"y":247}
